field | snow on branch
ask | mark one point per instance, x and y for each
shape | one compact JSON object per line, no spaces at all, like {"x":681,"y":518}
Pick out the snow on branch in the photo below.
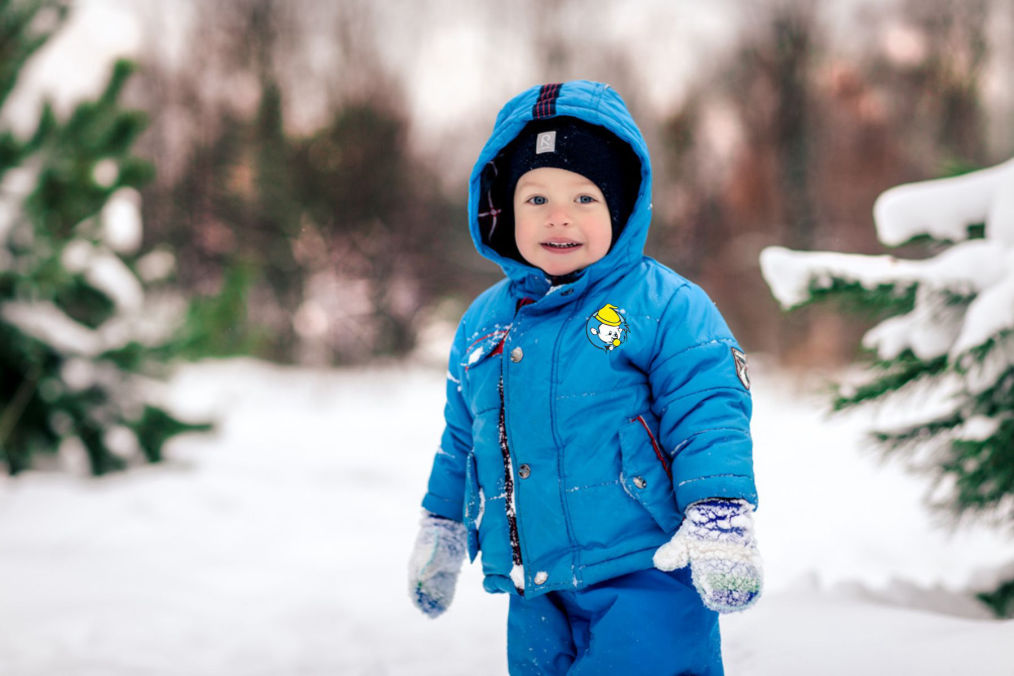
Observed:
{"x":944,"y":208}
{"x":50,"y":324}
{"x":964,"y":297}
{"x":988,"y":315}
{"x":792,"y":275}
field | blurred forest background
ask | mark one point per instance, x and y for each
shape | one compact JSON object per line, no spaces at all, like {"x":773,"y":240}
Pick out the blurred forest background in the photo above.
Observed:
{"x":317,"y":221}
{"x":320,"y":222}
{"x":300,"y":167}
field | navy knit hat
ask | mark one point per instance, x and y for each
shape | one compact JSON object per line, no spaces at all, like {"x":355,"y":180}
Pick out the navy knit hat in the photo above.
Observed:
{"x":571,"y":144}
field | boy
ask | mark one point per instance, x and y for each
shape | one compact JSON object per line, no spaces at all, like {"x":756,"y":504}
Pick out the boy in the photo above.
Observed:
{"x":597,"y":448}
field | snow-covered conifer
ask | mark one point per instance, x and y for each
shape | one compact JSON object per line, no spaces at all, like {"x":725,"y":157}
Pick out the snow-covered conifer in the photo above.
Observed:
{"x":943,"y":359}
{"x":77,"y":325}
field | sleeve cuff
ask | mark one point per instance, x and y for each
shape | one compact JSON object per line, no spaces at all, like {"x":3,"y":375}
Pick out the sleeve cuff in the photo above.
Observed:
{"x":448,"y":509}
{"x":725,"y":486}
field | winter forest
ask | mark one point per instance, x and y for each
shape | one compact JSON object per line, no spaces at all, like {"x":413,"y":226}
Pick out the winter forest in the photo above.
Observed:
{"x":234,"y":249}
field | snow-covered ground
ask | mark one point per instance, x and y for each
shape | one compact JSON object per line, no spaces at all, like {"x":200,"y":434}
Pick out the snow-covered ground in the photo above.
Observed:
{"x":278,"y":546}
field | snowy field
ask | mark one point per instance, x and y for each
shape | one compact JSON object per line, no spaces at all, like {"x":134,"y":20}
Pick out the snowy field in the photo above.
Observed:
{"x":278,"y":546}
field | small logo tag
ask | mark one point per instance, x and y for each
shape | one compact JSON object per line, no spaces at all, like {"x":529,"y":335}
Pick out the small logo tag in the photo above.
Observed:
{"x":545,"y":143}
{"x":740,"y":359}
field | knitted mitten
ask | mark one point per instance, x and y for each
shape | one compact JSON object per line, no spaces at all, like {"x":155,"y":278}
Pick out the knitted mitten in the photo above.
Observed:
{"x":716,"y":540}
{"x":435,"y":563}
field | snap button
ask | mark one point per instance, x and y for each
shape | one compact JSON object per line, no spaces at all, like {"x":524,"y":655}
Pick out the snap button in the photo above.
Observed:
{"x":640,"y":482}
{"x":524,"y":471}
{"x":541,"y":577}
{"x":517,"y":354}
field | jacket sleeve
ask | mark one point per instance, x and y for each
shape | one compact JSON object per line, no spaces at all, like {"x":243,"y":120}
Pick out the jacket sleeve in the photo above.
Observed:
{"x":446,"y":492}
{"x":702,"y":401}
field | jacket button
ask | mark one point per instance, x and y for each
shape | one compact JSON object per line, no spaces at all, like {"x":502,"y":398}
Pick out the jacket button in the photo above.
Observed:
{"x":640,"y":482}
{"x":524,"y":471}
{"x":541,"y":577}
{"x":517,"y":354}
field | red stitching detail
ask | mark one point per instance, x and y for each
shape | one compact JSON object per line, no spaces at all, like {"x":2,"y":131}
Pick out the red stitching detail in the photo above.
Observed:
{"x":497,"y":350}
{"x":488,"y":335}
{"x":655,"y":447}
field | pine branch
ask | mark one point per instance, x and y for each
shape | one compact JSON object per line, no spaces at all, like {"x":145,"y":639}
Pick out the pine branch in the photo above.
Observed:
{"x":1001,"y":600}
{"x":983,"y":470}
{"x":20,"y":36}
{"x":896,"y":374}
{"x":17,"y":404}
{"x":917,"y":434}
{"x":852,"y":297}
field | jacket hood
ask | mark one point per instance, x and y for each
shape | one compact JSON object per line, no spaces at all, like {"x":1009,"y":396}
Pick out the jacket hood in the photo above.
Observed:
{"x":592,"y":102}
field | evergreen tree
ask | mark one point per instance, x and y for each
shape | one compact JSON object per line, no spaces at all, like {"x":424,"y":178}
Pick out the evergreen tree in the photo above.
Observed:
{"x":943,"y":358}
{"x":76,"y":326}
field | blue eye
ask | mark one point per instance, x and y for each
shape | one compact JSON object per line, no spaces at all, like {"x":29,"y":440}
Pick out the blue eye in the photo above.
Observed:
{"x":537,"y":199}
{"x":585,"y":199}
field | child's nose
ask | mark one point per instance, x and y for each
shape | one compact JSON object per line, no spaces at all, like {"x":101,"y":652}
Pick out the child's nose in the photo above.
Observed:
{"x":559,"y":216}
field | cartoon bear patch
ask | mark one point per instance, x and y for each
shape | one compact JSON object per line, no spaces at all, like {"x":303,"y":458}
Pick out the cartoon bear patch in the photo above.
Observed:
{"x":607,"y":329}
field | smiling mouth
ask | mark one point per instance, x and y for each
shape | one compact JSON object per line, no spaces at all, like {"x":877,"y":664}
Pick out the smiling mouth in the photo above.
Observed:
{"x":560,"y":246}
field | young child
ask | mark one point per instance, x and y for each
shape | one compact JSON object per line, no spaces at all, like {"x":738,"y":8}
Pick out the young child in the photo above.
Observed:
{"x":597,"y":448}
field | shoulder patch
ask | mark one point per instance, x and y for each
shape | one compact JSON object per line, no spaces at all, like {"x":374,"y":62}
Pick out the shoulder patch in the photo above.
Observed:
{"x":740,"y":359}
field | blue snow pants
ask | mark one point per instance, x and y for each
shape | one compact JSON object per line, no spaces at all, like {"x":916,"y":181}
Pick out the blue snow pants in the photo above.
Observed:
{"x":648,"y":622}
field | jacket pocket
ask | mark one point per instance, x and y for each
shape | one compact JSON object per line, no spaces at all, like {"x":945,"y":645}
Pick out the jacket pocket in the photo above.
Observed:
{"x":473,"y":506}
{"x":481,"y":369}
{"x":646,"y":472}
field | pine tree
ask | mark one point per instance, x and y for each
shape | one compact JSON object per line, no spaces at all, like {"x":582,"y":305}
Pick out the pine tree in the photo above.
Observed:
{"x":942,"y":368}
{"x":76,"y":329}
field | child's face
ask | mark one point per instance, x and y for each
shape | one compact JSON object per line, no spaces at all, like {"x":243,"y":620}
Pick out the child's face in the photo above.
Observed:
{"x":561,"y":220}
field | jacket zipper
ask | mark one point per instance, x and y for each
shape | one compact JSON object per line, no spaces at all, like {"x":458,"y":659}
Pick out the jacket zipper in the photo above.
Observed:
{"x":508,"y":467}
{"x":508,"y":482}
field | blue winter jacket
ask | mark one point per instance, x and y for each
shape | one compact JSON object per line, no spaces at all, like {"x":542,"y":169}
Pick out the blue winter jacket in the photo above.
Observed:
{"x":624,"y":396}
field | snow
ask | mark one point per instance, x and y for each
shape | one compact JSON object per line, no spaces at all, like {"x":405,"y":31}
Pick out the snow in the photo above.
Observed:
{"x":855,"y":635}
{"x":105,"y":172}
{"x":923,"y":400}
{"x":149,"y":322}
{"x":991,"y":313}
{"x":944,"y":208}
{"x":51,"y":325}
{"x":156,"y":265}
{"x":105,"y":271}
{"x":981,"y":374}
{"x":968,"y":266}
{"x":121,"y":221}
{"x":929,"y":330}
{"x":983,"y":268}
{"x":279,"y":545}
{"x":110,"y":275}
{"x":978,"y":428}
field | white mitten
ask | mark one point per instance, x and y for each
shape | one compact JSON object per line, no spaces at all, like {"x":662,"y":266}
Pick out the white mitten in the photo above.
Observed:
{"x":716,"y":540}
{"x":435,"y":563}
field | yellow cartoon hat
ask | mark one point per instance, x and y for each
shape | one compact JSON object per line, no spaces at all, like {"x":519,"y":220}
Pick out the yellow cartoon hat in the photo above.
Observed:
{"x":607,"y":315}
